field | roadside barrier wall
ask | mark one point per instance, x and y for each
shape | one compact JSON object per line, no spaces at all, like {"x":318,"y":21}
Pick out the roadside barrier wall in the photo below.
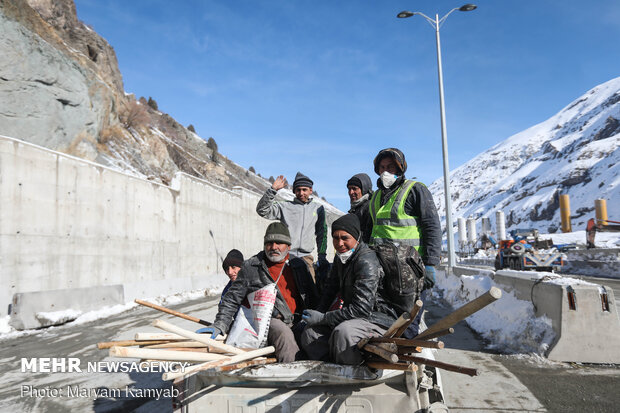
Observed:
{"x":66,"y":223}
{"x":599,"y":262}
{"x":584,"y":315}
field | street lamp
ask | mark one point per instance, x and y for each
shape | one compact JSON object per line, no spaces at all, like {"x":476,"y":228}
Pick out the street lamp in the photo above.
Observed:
{"x":436,"y":23}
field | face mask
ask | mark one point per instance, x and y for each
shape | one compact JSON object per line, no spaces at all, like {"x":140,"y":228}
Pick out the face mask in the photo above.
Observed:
{"x":344,"y":257}
{"x":388,"y":179}
{"x":276,"y":257}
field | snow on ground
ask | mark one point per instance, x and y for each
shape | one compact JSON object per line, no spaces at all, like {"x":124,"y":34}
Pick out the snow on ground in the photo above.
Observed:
{"x":75,"y":317}
{"x":509,"y":324}
{"x":602,"y":240}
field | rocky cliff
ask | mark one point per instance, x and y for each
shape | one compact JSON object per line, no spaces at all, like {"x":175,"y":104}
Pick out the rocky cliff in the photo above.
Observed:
{"x":60,"y":87}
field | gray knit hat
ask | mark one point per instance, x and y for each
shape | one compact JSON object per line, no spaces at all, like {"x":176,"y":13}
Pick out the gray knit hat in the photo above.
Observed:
{"x":302,"y":180}
{"x":277,"y":232}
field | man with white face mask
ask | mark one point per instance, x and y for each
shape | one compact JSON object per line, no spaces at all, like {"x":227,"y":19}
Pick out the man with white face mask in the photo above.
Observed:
{"x":403,"y":212}
{"x":295,"y":291}
{"x":346,"y":311}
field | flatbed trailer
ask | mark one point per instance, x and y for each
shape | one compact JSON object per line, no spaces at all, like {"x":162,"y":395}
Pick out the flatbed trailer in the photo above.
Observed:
{"x":311,"y":386}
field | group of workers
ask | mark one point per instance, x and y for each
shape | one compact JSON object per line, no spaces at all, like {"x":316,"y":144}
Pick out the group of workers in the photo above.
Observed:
{"x":322,"y":313}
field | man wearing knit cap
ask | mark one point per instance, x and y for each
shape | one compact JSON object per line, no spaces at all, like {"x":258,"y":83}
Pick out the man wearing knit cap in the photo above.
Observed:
{"x":360,"y":191}
{"x":304,"y":218}
{"x":295,"y":291}
{"x":404,"y":213}
{"x":347,"y":310}
{"x":231,"y":266}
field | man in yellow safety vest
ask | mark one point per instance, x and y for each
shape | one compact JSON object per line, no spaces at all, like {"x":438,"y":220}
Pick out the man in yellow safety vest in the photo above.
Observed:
{"x":403,"y":212}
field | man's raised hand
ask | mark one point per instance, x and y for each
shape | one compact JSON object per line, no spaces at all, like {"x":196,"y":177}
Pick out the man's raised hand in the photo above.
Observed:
{"x":279,"y":183}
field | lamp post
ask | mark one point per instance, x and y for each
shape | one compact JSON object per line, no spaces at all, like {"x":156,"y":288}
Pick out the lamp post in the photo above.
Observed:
{"x":436,"y":23}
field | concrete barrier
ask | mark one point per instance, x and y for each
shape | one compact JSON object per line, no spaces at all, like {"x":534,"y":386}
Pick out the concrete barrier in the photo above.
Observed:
{"x":67,"y":224}
{"x":584,"y":315}
{"x":599,"y":262}
{"x":44,"y":308}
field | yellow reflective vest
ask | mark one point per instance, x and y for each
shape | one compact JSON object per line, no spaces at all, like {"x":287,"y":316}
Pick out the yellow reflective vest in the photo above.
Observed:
{"x":391,"y":223}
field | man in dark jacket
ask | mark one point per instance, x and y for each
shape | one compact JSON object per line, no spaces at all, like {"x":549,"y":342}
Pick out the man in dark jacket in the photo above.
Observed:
{"x":403,"y":212}
{"x":295,"y":291}
{"x":345,"y":313}
{"x":360,"y":191}
{"x":231,"y":266}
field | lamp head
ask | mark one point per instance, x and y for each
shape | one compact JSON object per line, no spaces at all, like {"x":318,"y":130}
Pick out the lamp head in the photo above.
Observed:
{"x":404,"y":14}
{"x":468,"y":7}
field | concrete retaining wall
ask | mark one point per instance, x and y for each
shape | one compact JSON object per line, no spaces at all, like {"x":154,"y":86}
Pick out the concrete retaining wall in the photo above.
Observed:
{"x":66,"y":223}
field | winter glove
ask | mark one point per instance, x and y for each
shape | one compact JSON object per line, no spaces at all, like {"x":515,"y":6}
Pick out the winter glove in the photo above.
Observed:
{"x":313,"y":317}
{"x":214,"y":331}
{"x":429,"y":277}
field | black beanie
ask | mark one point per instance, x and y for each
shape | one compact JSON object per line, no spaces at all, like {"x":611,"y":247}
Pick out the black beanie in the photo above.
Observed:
{"x":234,"y":258}
{"x":362,"y":181}
{"x":355,"y":181}
{"x":277,"y":232}
{"x":302,"y":180}
{"x":349,"y":223}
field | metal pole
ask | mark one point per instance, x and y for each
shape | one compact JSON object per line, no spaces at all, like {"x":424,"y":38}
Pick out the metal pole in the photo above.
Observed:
{"x":444,"y":148}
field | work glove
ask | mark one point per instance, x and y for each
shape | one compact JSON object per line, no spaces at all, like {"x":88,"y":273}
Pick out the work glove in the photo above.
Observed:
{"x":214,"y":331}
{"x":429,"y":277}
{"x":313,"y":317}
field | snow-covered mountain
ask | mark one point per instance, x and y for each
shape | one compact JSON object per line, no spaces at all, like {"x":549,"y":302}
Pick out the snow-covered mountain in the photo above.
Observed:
{"x":575,"y":152}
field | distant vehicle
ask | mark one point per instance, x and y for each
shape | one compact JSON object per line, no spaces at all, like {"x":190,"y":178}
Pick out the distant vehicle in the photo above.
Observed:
{"x":526,"y":252}
{"x":602,"y":225}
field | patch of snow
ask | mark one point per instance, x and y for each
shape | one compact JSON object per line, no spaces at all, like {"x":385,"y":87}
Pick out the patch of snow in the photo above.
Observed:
{"x":57,"y":317}
{"x":8,"y":332}
{"x":509,"y":323}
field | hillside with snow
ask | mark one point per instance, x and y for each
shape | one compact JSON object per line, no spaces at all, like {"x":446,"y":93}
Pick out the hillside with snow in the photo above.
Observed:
{"x":575,"y":152}
{"x":67,"y":94}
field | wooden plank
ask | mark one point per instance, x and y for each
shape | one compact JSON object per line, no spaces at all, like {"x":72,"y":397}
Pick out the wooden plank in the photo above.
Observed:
{"x":441,"y":365}
{"x":412,"y":315}
{"x":166,"y":355}
{"x":228,"y":360}
{"x":196,"y":337}
{"x":384,"y":354}
{"x":463,"y":312}
{"x":408,"y":342}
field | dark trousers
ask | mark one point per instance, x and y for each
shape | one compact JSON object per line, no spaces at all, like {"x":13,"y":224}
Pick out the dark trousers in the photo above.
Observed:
{"x":340,"y":344}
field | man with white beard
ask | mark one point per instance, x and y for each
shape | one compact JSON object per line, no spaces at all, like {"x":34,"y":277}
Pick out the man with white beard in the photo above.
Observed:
{"x":296,"y":291}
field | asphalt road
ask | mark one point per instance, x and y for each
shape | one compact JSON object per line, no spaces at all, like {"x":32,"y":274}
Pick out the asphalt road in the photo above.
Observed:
{"x":520,"y":382}
{"x":505,"y":383}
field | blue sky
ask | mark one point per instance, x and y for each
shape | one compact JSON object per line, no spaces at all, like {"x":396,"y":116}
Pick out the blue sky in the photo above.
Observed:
{"x":321,"y":86}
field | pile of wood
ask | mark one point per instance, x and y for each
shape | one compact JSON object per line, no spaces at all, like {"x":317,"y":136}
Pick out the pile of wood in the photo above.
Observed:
{"x":393,"y":352}
{"x":387,"y":352}
{"x":182,"y":345}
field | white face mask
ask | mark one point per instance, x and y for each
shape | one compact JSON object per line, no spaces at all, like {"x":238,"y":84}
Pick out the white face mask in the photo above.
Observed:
{"x":344,"y":257}
{"x":388,"y":179}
